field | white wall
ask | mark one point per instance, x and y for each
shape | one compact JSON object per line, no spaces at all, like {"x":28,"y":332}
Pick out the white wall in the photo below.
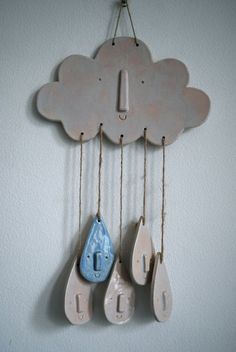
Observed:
{"x":39,"y":180}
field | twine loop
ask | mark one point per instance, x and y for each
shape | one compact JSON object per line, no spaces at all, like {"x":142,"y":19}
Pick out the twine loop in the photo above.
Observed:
{"x":124,"y":4}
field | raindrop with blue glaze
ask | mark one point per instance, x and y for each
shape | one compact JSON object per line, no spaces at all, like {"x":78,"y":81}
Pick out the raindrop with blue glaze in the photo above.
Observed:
{"x":98,"y":253}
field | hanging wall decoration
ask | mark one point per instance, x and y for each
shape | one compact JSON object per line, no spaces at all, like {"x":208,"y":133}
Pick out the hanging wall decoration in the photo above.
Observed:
{"x":123,"y":95}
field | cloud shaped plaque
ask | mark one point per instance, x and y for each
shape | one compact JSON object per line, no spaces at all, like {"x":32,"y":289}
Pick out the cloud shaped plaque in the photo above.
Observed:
{"x":123,"y":89}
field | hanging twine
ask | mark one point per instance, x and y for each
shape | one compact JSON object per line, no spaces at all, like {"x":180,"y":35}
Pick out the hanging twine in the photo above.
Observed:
{"x":100,"y":171}
{"x":145,"y":176}
{"x":163,"y":199}
{"x":121,"y":193}
{"x":124,"y":4}
{"x":80,"y":186}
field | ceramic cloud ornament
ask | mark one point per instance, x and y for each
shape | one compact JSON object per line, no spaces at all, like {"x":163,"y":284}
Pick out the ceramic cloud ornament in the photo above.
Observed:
{"x":127,"y":92}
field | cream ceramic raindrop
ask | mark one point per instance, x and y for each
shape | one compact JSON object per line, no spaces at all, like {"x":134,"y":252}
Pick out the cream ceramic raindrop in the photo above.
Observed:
{"x":78,"y":297}
{"x":142,"y":255}
{"x":161,"y":295}
{"x":119,"y":301}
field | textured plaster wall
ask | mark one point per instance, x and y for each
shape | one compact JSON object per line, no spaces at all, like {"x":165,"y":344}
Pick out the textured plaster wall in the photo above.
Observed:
{"x":39,"y":180}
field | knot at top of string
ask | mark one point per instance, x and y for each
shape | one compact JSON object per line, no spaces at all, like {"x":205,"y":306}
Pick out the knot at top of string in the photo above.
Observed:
{"x":124,"y":3}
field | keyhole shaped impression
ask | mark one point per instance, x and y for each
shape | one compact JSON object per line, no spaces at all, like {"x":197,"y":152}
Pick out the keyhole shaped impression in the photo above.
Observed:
{"x":123,"y":94}
{"x":164,"y":300}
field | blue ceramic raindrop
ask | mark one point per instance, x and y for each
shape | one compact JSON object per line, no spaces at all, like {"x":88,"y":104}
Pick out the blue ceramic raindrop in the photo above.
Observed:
{"x":98,"y":253}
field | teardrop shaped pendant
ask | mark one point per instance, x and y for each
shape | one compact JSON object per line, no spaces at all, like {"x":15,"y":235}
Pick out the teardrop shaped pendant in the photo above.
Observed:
{"x":161,"y":295}
{"x":98,"y":253}
{"x":142,"y":255}
{"x":78,"y":297}
{"x":120,"y":296}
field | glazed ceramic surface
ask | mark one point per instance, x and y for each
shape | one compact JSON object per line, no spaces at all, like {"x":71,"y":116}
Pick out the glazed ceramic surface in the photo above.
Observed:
{"x":98,"y":253}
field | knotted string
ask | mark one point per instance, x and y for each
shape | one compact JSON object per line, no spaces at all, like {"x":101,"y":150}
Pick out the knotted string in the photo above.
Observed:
{"x":80,"y":186}
{"x":100,"y":171}
{"x":121,"y":193}
{"x":163,"y":199}
{"x":144,"y":176}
